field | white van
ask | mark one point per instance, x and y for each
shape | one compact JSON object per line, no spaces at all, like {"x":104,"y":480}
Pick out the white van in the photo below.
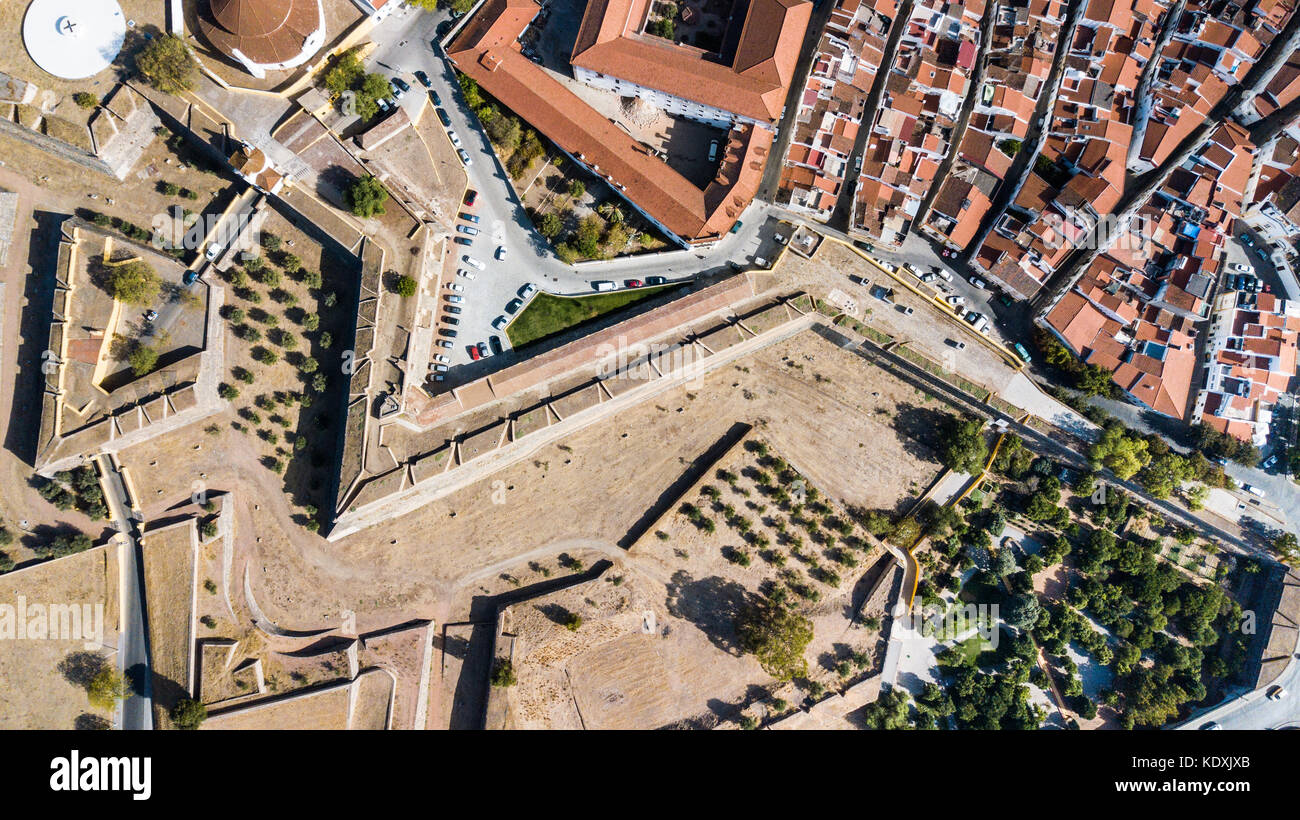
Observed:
{"x":604,"y":285}
{"x":1253,"y":490}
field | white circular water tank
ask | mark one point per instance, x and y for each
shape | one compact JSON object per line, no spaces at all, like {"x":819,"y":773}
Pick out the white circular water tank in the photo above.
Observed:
{"x":74,"y":39}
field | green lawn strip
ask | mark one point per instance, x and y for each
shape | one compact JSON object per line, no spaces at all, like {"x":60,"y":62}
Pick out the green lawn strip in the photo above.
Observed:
{"x":547,"y":315}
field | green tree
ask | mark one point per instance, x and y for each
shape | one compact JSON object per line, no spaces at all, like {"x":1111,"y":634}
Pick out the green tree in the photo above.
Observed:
{"x":503,"y":673}
{"x":143,"y":359}
{"x":188,"y":714}
{"x":133,"y":282}
{"x":106,"y":688}
{"x":167,"y":64}
{"x":776,"y":635}
{"x":85,"y":99}
{"x":1119,"y":452}
{"x":588,"y":238}
{"x":551,"y":225}
{"x":404,"y":286}
{"x":962,"y":447}
{"x":366,"y":197}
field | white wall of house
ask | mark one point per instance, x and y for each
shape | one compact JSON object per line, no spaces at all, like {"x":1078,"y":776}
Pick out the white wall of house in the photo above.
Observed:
{"x":674,"y":105}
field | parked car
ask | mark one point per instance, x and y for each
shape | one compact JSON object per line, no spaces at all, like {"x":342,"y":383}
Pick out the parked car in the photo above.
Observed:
{"x":453,"y":309}
{"x":906,"y":310}
{"x":396,"y":89}
{"x":1021,"y":352}
{"x":463,"y":240}
{"x":943,"y":274}
{"x":656,"y":280}
{"x":603,"y":285}
{"x":713,"y":150}
{"x":501,"y":253}
{"x":464,"y":157}
{"x":483,"y":349}
{"x":150,"y":315}
{"x":467,"y":274}
{"x":454,"y":137}
{"x":468,"y":217}
{"x":443,"y":343}
{"x":443,"y":118}
{"x":1240,"y":268}
{"x":1271,"y":461}
{"x":450,"y":320}
{"x":468,"y":230}
{"x":214,"y":250}
{"x":448,"y":332}
{"x":471,"y":196}
{"x":495,"y":344}
{"x":780,"y":239}
{"x":1245,"y":239}
{"x":955,"y":343}
{"x":1212,"y":726}
{"x":1253,"y":490}
{"x":436,"y":99}
{"x":955,"y":300}
{"x":500,"y":322}
{"x":441,"y":359}
{"x":474,"y":354}
{"x":190,"y":277}
{"x":455,"y":286}
{"x":527,"y":290}
{"x":736,"y":228}
{"x":632,"y":283}
{"x":512,"y":307}
{"x":1277,"y":692}
{"x":978,"y":282}
{"x":454,"y":299}
{"x":424,"y":80}
{"x":472,"y":262}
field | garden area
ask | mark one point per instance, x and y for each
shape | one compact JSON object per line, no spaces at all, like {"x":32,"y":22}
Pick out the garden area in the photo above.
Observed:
{"x":1132,"y":613}
{"x":547,"y":315}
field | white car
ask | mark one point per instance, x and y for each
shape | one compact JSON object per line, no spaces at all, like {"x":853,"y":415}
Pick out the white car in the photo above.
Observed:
{"x":955,"y":301}
{"x":527,"y":290}
{"x":472,"y":262}
{"x":943,"y":274}
{"x":467,"y":274}
{"x":978,"y":282}
{"x":501,"y":253}
{"x":214,"y":250}
{"x":441,"y":359}
{"x":464,"y":157}
{"x":780,"y":239}
{"x":1277,"y":693}
{"x":456,"y":286}
{"x":454,"y":137}
{"x":1240,"y":268}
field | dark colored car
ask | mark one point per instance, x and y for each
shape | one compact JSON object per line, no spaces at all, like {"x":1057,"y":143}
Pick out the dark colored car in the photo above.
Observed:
{"x":471,"y":196}
{"x":443,"y":118}
{"x":424,"y":81}
{"x":656,"y":280}
{"x":448,"y":332}
{"x":190,"y":277}
{"x":464,"y":240}
{"x":495,"y":343}
{"x":469,"y":217}
{"x":482,"y":348}
{"x":402,"y":84}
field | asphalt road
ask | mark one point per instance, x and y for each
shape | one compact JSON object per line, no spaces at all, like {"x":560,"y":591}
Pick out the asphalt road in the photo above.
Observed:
{"x":133,"y":643}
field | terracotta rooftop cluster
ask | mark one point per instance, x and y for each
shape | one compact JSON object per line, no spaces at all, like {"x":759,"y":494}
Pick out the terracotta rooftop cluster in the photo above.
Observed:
{"x":753,"y":82}
{"x":1254,"y":347}
{"x":832,"y":104}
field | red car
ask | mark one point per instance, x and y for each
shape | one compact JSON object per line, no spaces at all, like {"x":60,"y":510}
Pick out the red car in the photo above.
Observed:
{"x":473,"y":352}
{"x":632,"y":283}
{"x":471,"y":196}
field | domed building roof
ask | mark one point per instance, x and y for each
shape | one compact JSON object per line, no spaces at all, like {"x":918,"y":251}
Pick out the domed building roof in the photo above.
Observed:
{"x":266,"y":32}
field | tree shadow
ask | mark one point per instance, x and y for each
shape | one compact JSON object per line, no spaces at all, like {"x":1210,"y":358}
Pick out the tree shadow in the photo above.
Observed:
{"x":918,"y":429}
{"x":711,"y":604}
{"x":90,"y":722}
{"x":80,"y":668}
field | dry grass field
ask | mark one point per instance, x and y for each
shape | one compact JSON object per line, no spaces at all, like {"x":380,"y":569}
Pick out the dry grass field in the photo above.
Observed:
{"x":43,"y":682}
{"x":169,"y":583}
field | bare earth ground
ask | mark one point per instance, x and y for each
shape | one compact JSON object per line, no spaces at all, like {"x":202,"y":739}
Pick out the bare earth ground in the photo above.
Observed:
{"x":35,"y":693}
{"x":168,"y":573}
